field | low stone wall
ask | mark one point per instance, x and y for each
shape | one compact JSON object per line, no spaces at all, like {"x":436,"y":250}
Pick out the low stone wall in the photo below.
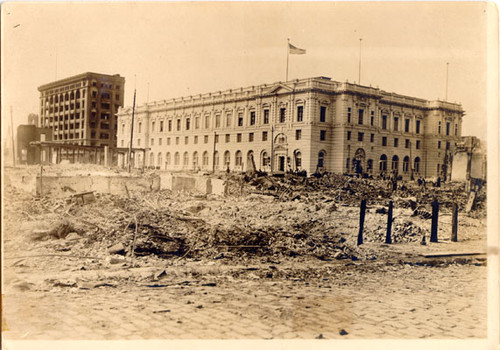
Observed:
{"x":63,"y":186}
{"x":189,"y":183}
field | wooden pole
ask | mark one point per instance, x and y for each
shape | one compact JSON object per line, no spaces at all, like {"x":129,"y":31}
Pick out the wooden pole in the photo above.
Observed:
{"x":388,"y":238}
{"x":361,"y":221}
{"x":434,"y":224}
{"x":454,"y":223}
{"x":12,"y":134}
{"x":213,"y":156}
{"x":131,"y":134}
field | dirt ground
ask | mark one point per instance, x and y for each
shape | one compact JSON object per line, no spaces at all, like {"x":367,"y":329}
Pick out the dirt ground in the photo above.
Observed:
{"x":275,"y":258}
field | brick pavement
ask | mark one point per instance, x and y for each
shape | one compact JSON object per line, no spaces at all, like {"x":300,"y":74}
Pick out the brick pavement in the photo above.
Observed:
{"x":395,"y":302}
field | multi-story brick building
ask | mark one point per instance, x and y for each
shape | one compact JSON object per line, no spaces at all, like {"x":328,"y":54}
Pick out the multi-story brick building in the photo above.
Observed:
{"x":82,"y":109}
{"x":312,"y":124}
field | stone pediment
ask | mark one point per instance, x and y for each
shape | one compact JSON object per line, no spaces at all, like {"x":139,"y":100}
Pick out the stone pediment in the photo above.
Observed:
{"x":277,"y":88}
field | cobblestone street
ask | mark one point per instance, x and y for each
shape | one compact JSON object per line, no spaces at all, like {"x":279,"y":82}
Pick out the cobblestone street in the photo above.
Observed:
{"x":394,"y":301}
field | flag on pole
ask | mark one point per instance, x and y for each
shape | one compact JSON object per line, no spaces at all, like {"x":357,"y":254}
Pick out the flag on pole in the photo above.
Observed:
{"x":295,"y":50}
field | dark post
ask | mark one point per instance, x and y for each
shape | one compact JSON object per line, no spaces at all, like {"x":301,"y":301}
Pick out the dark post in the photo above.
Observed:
{"x":388,"y":238}
{"x":434,"y":224}
{"x":454,"y":223}
{"x":361,"y":221}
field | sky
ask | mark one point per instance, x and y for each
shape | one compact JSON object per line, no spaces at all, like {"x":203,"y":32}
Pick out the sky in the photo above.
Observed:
{"x":168,"y":50}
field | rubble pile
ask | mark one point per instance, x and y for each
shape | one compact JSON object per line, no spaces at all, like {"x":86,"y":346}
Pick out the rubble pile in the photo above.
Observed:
{"x":402,"y":232}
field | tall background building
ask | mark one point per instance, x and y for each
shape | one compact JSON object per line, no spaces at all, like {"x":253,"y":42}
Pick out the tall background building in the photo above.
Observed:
{"x":82,"y":109}
{"x":313,"y":124}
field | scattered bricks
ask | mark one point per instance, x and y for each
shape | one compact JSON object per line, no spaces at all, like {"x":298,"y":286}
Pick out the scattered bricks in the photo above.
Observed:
{"x":117,"y":249}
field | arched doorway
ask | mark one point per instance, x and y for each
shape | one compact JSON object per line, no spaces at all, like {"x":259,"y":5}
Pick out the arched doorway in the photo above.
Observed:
{"x":280,"y":152}
{"x":359,"y":161}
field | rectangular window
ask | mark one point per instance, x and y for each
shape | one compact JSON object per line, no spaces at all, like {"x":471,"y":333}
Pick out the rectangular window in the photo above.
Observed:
{"x":170,"y":125}
{"x":396,"y":123}
{"x":178,"y":125}
{"x":228,"y":138}
{"x":298,"y":134}
{"x":300,"y":113}
{"x":161,"y":125}
{"x":177,"y":140}
{"x":252,"y":118}
{"x":439,"y":144}
{"x":168,"y":141}
{"x":205,"y":139}
{"x":360,"y":116}
{"x":264,"y":136}
{"x":417,"y":127}
{"x":250,"y":137}
{"x":396,"y":142}
{"x":240,"y":119}
{"x":197,"y":122}
{"x":207,"y":121}
{"x":282,"y":115}
{"x":152,"y":142}
{"x":372,"y":137}
{"x":217,"y":121}
{"x":188,"y":123}
{"x":266,"y":116}
{"x":447,"y":129}
{"x":384,"y":141}
{"x":349,"y":115}
{"x":348,"y":135}
{"x":456,"y":129}
{"x":407,"y":125}
{"x":322,"y":114}
{"x":372,"y":117}
{"x":216,"y":138}
{"x":195,"y":141}
{"x":322,"y":135}
{"x":407,"y":143}
{"x":228,"y":120}
{"x":439,"y":128}
{"x":186,"y":140}
{"x":384,"y":122}
{"x":152,"y":126}
{"x":417,"y":145}
{"x":360,"y":136}
{"x":238,"y":137}
{"x":447,"y":145}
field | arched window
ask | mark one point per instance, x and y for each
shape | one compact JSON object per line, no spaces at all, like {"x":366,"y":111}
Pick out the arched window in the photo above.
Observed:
{"x":238,"y":158}
{"x":216,"y":159}
{"x":265,"y":159}
{"x":406,"y":163}
{"x":177,"y":158}
{"x":167,"y":159}
{"x":395,"y":163}
{"x":195,"y":159}
{"x":185,"y":159}
{"x":383,"y":163}
{"x":160,"y":160}
{"x":321,"y":159}
{"x":417,"y":165}
{"x":227,"y":159}
{"x":298,"y":160}
{"x":151,"y":159}
{"x":205,"y":159}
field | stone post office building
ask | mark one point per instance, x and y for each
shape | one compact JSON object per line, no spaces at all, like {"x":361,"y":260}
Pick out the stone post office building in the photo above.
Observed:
{"x":313,"y":124}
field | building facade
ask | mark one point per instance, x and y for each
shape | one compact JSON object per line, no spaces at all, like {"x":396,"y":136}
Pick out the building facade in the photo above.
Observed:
{"x":82,"y":109}
{"x":313,"y":124}
{"x":26,"y":152}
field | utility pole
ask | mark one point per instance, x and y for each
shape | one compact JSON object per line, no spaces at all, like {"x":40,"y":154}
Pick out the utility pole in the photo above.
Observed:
{"x":213,"y":165}
{"x":12,"y":134}
{"x":272,"y":148}
{"x":131,"y":134}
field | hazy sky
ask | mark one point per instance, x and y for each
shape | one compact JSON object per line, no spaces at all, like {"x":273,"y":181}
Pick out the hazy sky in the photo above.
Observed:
{"x":181,"y":49}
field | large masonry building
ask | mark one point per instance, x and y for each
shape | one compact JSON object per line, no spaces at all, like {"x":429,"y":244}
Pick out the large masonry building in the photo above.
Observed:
{"x":313,"y":124}
{"x":82,"y":109}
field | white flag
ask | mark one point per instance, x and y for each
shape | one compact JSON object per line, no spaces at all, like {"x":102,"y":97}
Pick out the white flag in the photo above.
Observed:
{"x":295,"y":50}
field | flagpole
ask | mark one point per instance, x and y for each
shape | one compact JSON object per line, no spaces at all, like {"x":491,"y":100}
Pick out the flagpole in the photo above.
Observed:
{"x":446,"y":95}
{"x":359,"y":68}
{"x":287,"y":54}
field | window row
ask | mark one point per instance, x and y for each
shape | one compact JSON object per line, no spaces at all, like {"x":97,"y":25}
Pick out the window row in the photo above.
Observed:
{"x":361,"y":120}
